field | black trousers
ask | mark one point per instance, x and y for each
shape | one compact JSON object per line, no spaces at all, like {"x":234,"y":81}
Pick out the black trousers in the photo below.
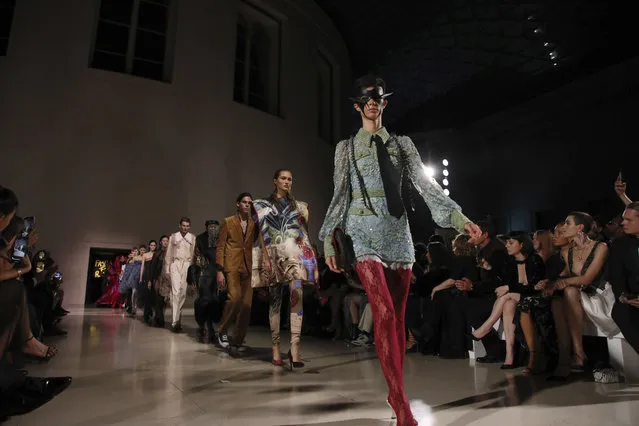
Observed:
{"x":627,"y":318}
{"x":209,"y":304}
{"x":154,"y":305}
{"x":442,"y":338}
{"x":471,"y":311}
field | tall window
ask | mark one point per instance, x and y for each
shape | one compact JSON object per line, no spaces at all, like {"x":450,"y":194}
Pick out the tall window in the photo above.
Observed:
{"x":257,"y":59}
{"x":132,"y":37}
{"x":6,"y":19}
{"x":325,"y":100}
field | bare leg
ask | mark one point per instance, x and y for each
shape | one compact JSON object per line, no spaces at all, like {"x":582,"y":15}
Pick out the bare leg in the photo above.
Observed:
{"x":563,"y":336}
{"x":528,"y":327}
{"x":33,"y":346}
{"x":353,"y":307}
{"x":498,"y":309}
{"x":510,"y":307}
{"x":575,"y":311}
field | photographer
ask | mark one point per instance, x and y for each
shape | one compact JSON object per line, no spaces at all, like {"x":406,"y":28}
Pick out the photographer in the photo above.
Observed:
{"x":19,"y":394}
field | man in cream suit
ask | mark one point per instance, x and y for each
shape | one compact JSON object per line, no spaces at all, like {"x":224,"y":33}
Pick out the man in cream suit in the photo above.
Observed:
{"x":179,"y":256}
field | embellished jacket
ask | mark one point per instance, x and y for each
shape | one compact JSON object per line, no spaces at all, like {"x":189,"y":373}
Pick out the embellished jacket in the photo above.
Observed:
{"x":359,"y":204}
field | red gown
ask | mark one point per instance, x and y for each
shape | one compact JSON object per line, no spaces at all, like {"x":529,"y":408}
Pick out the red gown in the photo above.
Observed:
{"x":112,"y":296}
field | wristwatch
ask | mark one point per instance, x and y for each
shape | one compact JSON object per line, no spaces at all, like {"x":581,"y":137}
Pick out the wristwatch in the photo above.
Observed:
{"x":19,"y":273}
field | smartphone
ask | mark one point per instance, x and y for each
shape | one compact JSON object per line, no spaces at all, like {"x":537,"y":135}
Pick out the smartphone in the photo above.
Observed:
{"x":20,"y":249}
{"x":29,"y":225}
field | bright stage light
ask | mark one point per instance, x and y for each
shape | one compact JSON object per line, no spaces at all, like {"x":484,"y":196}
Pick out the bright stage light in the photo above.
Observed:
{"x":445,"y":182}
{"x":445,"y":162}
{"x":430,"y":171}
{"x":446,"y":191}
{"x":445,"y":172}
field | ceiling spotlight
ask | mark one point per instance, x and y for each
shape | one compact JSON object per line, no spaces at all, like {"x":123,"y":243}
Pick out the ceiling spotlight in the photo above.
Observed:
{"x":445,"y":162}
{"x":538,"y":30}
{"x":531,"y":18}
{"x":555,"y":64}
{"x":553,"y":54}
{"x":446,"y":191}
{"x":429,"y":171}
{"x":445,"y":172}
{"x":546,"y":44}
{"x":445,"y":182}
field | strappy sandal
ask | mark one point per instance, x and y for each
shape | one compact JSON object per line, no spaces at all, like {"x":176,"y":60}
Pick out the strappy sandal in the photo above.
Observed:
{"x":51,"y":352}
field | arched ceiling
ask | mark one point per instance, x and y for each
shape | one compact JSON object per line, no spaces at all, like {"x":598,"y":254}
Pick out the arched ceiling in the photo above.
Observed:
{"x":453,"y":61}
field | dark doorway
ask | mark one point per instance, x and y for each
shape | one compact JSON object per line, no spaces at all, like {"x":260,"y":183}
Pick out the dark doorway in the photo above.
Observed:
{"x":100,"y":259}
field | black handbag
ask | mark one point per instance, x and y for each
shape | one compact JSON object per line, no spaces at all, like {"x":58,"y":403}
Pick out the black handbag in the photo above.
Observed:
{"x":193,"y":274}
{"x":344,"y":251}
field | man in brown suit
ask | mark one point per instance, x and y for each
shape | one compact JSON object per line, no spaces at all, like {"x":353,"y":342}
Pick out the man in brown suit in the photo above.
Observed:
{"x":234,"y":258}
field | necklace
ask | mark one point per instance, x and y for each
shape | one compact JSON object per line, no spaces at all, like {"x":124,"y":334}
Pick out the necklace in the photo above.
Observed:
{"x":581,"y":251}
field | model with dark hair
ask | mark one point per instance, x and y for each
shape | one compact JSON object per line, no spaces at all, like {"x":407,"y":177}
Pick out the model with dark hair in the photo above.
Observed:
{"x":367,"y":205}
{"x":289,"y":259}
{"x":234,"y":259}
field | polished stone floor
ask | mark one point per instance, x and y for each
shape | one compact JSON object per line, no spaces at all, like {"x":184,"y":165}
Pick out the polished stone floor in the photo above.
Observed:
{"x":126,"y":373}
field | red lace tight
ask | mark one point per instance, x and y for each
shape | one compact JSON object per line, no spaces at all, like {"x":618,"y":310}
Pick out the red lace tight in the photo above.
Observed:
{"x":387,"y":292}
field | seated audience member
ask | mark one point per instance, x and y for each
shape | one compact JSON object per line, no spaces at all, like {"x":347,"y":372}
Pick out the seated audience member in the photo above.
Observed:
{"x":334,"y":288}
{"x":421,"y":260}
{"x":19,"y":394}
{"x":463,"y":266}
{"x":614,"y":228}
{"x":624,"y":276}
{"x":355,"y":301}
{"x":585,"y":262}
{"x":437,"y":271}
{"x":543,"y":243}
{"x":43,"y":293}
{"x":525,"y":270}
{"x":535,"y":318}
{"x":475,"y":308}
{"x":365,"y":328}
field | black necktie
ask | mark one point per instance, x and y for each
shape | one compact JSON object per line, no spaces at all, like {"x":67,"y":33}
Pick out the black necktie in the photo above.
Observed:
{"x":390,"y":177}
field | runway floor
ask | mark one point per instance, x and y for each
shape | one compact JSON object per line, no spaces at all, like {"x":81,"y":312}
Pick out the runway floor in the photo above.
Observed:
{"x":125,"y":373}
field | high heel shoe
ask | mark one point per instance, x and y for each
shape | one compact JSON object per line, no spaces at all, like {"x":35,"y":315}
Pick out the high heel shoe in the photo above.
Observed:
{"x":277,"y":362}
{"x":577,"y":368}
{"x":294,"y":364}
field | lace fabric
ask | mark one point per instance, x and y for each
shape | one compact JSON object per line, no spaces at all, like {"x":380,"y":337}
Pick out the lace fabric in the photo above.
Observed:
{"x":387,"y":292}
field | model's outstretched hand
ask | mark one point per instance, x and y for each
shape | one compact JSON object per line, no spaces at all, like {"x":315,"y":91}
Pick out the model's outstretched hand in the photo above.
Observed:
{"x":474,"y":231}
{"x":331,"y":262}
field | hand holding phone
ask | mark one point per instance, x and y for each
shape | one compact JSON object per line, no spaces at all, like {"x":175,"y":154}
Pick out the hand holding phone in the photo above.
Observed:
{"x":620,"y":185}
{"x":20,"y":249}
